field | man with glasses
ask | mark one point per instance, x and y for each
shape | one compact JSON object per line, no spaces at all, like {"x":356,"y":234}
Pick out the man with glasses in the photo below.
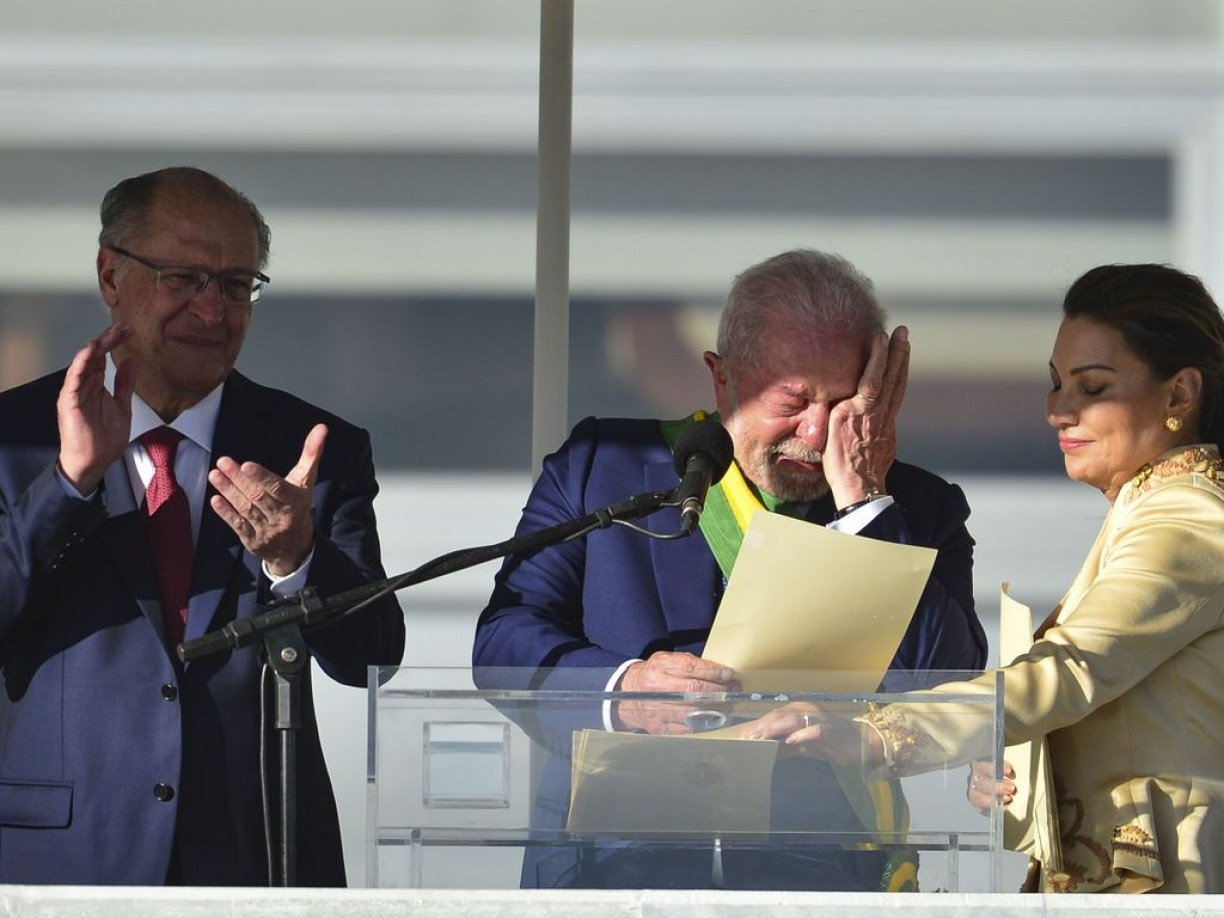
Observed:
{"x":149,"y":494}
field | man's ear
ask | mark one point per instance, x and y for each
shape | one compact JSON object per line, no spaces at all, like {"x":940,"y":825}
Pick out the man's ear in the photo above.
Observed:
{"x":108,"y":276}
{"x":722,"y":387}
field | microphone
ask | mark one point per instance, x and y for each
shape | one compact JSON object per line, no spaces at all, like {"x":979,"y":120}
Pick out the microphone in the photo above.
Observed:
{"x":702,"y":454}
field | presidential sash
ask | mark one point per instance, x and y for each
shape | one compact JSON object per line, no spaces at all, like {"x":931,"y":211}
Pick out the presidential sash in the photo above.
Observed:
{"x":729,"y":508}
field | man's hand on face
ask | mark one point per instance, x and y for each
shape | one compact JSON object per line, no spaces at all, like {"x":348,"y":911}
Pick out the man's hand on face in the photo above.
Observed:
{"x":669,"y":672}
{"x":862,"y":442}
{"x":270,"y":514}
{"x":94,"y":424}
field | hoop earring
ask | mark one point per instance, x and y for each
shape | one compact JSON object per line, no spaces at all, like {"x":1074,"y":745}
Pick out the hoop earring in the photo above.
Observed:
{"x":1174,"y":423}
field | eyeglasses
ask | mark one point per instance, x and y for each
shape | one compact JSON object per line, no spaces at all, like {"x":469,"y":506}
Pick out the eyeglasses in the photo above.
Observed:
{"x":242,"y":288}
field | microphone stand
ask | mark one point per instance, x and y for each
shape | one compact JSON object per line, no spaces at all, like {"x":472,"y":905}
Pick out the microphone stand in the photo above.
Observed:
{"x":280,"y":630}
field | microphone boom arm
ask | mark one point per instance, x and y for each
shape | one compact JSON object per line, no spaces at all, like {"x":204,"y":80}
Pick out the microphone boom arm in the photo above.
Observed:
{"x":310,"y":612}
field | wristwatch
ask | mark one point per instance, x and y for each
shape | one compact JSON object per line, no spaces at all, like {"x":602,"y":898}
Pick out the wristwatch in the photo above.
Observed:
{"x":850,"y":508}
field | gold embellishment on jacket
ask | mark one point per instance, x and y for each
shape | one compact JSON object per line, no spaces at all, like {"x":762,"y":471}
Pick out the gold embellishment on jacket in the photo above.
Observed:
{"x":1202,"y":460}
{"x":1133,"y":839}
{"x":1077,"y":845}
{"x":903,"y":742}
{"x":1062,"y":883}
{"x":1139,"y":482}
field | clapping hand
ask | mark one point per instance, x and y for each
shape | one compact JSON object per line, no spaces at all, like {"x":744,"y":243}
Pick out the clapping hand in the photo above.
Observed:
{"x":94,"y":424}
{"x":271,"y":514}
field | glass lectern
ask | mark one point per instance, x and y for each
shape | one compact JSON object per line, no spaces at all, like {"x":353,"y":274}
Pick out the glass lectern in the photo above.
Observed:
{"x":541,"y":779}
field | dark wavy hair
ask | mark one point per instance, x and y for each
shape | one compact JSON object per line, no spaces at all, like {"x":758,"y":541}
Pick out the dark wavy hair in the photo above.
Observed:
{"x":1168,"y":319}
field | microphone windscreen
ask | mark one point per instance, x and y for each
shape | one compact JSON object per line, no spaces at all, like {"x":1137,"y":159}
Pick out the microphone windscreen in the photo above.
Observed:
{"x":708,"y":438}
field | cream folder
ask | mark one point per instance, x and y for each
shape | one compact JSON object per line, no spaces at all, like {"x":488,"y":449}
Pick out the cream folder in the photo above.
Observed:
{"x":1030,"y":822}
{"x":826,"y":607}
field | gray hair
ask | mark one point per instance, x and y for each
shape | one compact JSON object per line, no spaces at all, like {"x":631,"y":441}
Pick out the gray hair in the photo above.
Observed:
{"x":806,"y":290}
{"x":125,"y":208}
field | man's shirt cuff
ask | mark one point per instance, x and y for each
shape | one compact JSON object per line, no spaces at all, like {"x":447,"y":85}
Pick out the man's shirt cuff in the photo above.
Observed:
{"x":856,"y":520}
{"x":70,"y":489}
{"x":290,"y":583}
{"x":611,"y":687}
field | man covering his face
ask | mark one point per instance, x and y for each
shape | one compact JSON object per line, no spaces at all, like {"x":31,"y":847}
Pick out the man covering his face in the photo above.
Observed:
{"x":809,"y":387}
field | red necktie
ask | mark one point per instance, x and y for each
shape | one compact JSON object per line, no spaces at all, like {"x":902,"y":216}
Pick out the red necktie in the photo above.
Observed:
{"x":169,"y":516}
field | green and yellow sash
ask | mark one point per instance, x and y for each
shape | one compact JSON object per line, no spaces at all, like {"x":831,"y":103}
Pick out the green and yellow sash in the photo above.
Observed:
{"x":729,"y":508}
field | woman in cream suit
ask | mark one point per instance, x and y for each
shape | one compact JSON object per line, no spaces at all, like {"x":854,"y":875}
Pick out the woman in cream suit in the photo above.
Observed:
{"x":1126,"y":678}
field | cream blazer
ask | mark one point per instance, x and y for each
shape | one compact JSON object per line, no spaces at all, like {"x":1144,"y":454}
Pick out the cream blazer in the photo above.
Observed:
{"x":1128,"y":687}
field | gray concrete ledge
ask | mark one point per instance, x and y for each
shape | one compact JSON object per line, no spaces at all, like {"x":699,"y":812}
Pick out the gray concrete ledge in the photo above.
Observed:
{"x":135,"y":902}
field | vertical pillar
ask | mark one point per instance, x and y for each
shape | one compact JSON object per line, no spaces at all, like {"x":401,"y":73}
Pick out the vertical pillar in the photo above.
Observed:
{"x":550,"y":365}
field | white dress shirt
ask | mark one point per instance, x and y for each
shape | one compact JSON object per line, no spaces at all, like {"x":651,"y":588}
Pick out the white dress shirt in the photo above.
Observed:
{"x":192,"y":462}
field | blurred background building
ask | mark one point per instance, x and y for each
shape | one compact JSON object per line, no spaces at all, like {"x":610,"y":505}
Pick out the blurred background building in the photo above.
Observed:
{"x":972,"y":158}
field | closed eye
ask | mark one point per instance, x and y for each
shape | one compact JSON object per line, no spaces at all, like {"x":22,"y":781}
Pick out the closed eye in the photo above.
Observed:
{"x":788,"y":408}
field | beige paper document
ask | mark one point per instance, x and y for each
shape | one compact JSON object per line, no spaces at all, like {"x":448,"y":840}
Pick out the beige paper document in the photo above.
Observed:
{"x":1030,"y":822}
{"x":829,"y":607}
{"x":634,"y":782}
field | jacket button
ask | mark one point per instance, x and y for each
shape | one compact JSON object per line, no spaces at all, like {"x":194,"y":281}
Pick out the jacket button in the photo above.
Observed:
{"x":163,"y":792}
{"x":169,"y":692}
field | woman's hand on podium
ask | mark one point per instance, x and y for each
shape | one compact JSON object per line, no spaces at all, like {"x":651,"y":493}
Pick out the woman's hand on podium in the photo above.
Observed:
{"x":983,"y":791}
{"x":807,"y":729}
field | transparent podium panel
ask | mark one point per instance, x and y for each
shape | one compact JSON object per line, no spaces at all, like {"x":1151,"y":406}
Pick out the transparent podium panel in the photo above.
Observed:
{"x":542,"y":779}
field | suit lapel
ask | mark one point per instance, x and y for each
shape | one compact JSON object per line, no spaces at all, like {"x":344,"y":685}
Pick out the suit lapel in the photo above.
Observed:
{"x":126,"y":539}
{"x":686,"y":574}
{"x":241,"y":435}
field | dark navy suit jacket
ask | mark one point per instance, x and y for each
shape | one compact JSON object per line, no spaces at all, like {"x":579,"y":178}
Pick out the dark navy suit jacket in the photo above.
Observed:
{"x":95,"y":712}
{"x":587,"y":606}
{"x":616,"y":595}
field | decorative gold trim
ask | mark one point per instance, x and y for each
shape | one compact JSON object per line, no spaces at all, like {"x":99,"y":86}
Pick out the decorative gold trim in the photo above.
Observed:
{"x":902,"y":743}
{"x":1132,"y":835}
{"x":1134,"y":840}
{"x":1077,"y":846}
{"x":1201,"y":460}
